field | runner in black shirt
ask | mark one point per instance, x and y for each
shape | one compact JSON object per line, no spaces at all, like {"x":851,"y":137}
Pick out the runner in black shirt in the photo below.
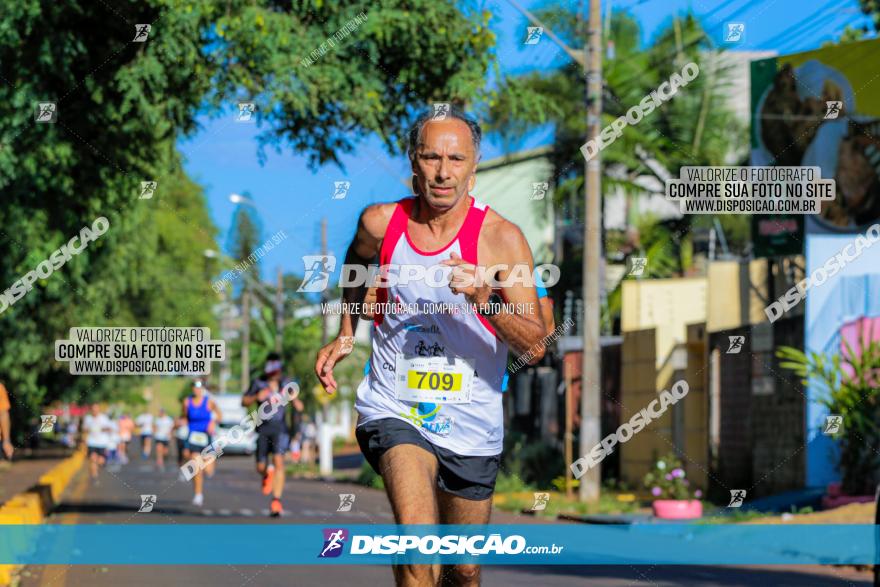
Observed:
{"x":273,"y":434}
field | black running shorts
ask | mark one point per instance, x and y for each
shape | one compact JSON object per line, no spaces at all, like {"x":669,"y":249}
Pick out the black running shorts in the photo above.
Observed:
{"x":273,"y":442}
{"x":468,"y":477}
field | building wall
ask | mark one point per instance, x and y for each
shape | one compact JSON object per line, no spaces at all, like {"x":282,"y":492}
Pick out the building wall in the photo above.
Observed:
{"x":696,"y":406}
{"x":668,"y":305}
{"x":733,"y":469}
{"x":610,"y":401}
{"x":662,"y":343}
{"x":778,"y":454}
{"x":638,"y":389}
{"x":506,"y":185}
{"x":761,"y":407}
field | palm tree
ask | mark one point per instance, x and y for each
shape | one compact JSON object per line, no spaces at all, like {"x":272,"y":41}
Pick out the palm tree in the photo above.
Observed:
{"x":694,"y":128}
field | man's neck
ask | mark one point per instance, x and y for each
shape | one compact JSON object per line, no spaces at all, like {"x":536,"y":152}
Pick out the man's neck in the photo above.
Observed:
{"x":440,"y":221}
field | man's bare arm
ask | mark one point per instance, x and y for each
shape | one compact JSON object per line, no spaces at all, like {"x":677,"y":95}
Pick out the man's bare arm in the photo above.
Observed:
{"x":502,"y":243}
{"x":362,"y":250}
{"x":547,"y":315}
{"x":524,"y":329}
{"x":365,"y":246}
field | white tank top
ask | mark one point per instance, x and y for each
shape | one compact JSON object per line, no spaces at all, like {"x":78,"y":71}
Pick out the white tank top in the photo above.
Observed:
{"x":470,"y":429}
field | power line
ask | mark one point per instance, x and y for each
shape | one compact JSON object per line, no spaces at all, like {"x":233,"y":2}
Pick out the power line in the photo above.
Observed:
{"x":738,"y":11}
{"x":815,"y":30}
{"x":775,"y":39}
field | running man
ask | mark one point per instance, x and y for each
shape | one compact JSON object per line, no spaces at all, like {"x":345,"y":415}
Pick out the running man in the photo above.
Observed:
{"x":273,"y":436}
{"x":5,"y":426}
{"x":145,"y":423}
{"x":162,"y":434}
{"x":198,"y":414}
{"x":180,"y":434}
{"x":115,"y":439}
{"x":96,"y":429}
{"x":433,"y":426}
{"x":126,"y":427}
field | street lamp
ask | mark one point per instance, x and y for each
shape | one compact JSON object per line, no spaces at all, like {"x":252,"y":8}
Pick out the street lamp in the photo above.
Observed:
{"x":239,"y":199}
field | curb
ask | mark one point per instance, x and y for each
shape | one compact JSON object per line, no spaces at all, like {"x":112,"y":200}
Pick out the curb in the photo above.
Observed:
{"x":35,"y":504}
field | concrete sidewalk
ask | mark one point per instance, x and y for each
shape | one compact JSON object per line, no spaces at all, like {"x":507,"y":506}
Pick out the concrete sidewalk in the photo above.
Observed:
{"x":32,"y":487}
{"x":26,"y":469}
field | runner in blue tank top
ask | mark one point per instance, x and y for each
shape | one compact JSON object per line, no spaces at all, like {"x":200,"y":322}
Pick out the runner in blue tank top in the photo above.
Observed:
{"x":199,"y":412}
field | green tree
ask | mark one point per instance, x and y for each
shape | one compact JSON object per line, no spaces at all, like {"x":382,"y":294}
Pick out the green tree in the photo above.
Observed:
{"x":122,"y":105}
{"x":849,"y":35}
{"x":246,"y":236}
{"x":872,"y":8}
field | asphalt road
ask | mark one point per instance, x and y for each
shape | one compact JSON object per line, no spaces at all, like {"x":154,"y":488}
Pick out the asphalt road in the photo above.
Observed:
{"x":233,"y":496}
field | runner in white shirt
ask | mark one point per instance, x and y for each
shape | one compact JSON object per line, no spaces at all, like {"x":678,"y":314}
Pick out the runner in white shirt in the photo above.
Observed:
{"x":96,"y":429}
{"x":430,"y":415}
{"x":162,"y":434}
{"x":181,"y":433}
{"x":145,"y":423}
{"x":114,"y":441}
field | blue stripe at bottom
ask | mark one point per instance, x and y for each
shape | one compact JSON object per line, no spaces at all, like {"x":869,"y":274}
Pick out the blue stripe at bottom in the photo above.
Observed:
{"x":553,"y":544}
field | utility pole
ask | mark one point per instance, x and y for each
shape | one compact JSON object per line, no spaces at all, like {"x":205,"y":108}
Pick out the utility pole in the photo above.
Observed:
{"x":245,"y":336}
{"x":224,"y":328}
{"x":324,"y":292}
{"x":591,"y":379}
{"x":279,"y":311}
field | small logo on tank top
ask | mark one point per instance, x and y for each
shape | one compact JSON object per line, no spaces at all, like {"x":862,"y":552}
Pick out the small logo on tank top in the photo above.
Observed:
{"x":410,"y":327}
{"x":434,"y":350}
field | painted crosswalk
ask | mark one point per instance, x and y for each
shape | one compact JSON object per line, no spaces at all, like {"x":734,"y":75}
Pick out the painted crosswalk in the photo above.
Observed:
{"x":308,"y":513}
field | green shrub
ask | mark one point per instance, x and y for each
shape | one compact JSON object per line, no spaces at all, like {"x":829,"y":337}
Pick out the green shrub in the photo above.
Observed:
{"x":536,"y":463}
{"x":510,"y":483}
{"x":369,"y":477}
{"x":856,"y":397}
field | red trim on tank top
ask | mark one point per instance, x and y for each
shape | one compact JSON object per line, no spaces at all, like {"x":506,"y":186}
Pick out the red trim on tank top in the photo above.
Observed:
{"x":449,"y":244}
{"x":395,"y":229}
{"x":468,"y":236}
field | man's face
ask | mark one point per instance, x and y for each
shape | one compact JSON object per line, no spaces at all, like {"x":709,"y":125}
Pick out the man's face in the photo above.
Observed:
{"x":95,"y":409}
{"x":444,"y":163}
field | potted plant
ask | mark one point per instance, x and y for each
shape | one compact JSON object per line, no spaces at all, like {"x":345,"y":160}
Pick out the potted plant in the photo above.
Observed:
{"x":671,"y":489}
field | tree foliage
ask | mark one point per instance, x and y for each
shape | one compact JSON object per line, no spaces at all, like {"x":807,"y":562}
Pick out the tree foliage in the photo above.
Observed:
{"x":695,"y":127}
{"x":122,"y":105}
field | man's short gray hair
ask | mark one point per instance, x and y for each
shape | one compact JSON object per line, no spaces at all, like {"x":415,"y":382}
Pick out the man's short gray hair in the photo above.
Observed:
{"x":415,"y":130}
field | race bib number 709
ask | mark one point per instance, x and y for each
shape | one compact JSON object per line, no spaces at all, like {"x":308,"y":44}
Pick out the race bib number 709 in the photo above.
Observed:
{"x":436,"y":380}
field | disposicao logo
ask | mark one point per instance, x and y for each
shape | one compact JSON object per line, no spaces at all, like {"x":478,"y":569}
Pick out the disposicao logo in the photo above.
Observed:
{"x":334,"y":541}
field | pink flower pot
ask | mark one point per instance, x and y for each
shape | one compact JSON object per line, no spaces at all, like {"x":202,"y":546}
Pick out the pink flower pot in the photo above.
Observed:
{"x":677,"y":509}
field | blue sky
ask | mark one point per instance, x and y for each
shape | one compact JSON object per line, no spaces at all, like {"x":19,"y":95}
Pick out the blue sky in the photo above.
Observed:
{"x":222,"y":157}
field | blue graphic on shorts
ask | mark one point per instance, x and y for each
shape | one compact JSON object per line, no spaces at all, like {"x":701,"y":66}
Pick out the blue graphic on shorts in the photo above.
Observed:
{"x":425,"y":415}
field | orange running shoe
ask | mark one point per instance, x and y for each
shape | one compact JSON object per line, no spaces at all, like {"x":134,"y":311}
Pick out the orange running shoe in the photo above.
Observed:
{"x":267,"y":480}
{"x":275,"y":509}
